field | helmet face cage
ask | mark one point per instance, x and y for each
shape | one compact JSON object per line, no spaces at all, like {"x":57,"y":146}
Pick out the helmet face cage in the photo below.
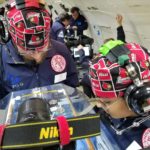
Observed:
{"x":29,"y":28}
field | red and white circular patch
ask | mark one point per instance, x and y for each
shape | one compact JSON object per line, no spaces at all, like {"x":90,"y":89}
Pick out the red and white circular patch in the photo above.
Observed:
{"x":58,"y":63}
{"x":146,"y":138}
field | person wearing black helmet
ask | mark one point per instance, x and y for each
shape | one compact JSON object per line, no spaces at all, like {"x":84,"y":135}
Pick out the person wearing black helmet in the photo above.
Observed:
{"x":58,"y":29}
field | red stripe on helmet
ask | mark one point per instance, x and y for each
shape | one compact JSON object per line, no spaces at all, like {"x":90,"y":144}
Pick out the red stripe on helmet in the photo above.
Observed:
{"x":32,"y":3}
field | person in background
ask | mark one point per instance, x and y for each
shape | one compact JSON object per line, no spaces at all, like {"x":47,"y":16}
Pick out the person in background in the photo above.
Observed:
{"x":78,"y":22}
{"x":58,"y":29}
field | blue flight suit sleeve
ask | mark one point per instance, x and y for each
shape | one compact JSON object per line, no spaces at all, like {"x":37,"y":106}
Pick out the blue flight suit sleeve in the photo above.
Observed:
{"x":120,"y":34}
{"x":84,"y":24}
{"x":81,"y":23}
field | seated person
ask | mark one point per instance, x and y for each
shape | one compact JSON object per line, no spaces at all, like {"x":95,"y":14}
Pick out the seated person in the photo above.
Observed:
{"x":58,"y":29}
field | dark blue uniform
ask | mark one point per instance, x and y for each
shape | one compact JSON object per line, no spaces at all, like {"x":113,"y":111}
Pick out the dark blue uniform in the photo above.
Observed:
{"x":17,"y":75}
{"x":81,"y":23}
{"x":58,"y":31}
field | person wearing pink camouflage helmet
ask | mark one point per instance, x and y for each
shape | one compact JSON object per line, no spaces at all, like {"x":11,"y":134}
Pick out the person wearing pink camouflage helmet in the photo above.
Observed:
{"x":120,"y":78}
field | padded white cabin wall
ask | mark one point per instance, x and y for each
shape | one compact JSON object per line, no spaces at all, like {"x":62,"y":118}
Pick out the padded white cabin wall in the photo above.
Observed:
{"x":101,"y":17}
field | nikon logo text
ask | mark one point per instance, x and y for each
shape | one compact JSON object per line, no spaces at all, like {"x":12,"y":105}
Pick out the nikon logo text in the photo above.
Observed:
{"x":51,"y":132}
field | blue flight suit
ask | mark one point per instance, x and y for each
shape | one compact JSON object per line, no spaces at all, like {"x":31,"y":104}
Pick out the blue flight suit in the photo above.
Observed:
{"x":18,"y":75}
{"x":81,"y":23}
{"x":58,"y":31}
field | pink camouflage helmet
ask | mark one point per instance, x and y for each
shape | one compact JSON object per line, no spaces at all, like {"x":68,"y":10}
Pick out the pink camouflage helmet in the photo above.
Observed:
{"x":29,"y":24}
{"x":110,"y":80}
